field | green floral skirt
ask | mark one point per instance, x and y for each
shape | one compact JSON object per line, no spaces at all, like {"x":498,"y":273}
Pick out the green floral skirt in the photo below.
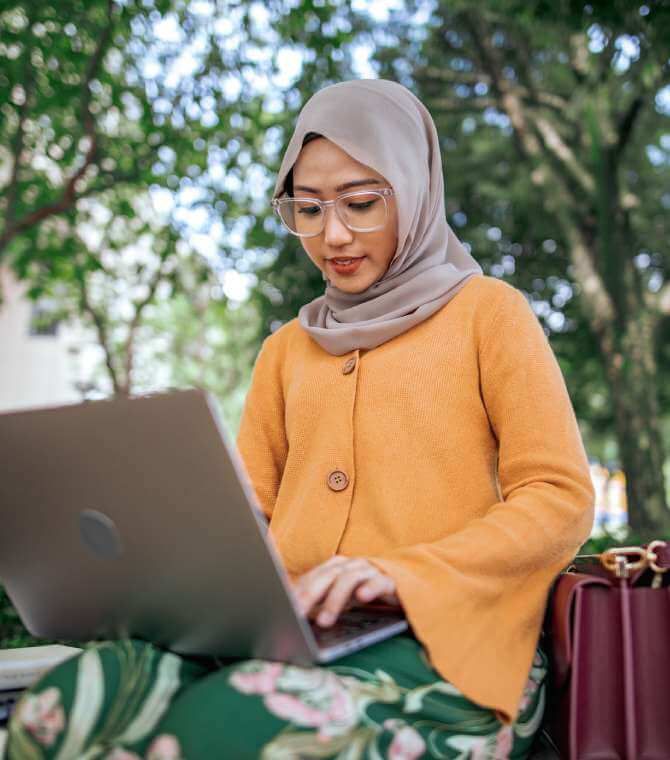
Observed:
{"x":130,"y":700}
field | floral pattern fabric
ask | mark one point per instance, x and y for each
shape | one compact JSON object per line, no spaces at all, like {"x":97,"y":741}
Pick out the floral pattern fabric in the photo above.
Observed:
{"x":335,"y":705}
{"x":130,"y":701}
{"x":100,"y":721}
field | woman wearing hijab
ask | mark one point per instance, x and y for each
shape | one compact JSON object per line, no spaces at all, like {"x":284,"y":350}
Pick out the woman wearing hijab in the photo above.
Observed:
{"x":411,"y":441}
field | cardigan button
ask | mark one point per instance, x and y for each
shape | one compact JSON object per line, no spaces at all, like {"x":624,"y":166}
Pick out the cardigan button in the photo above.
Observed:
{"x":349,"y":365}
{"x":338,"y":480}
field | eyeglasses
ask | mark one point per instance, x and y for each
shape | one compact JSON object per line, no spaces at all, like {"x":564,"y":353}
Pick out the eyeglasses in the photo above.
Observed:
{"x":360,"y":211}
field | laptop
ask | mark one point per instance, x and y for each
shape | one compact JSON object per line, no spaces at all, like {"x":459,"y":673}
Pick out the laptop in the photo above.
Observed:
{"x":136,"y":517}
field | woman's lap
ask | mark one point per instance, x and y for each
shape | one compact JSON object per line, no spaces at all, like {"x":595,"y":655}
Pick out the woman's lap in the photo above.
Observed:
{"x":131,"y":700}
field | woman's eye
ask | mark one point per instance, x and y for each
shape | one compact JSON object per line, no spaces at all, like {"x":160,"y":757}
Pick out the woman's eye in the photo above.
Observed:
{"x":310,"y":210}
{"x":361,"y":206}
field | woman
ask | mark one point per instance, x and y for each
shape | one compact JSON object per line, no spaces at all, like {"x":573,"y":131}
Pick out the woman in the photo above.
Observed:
{"x":411,"y":441}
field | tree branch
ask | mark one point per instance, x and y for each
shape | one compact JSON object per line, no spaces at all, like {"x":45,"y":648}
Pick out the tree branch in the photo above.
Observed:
{"x":17,"y":144}
{"x":540,"y":98}
{"x":70,"y":193}
{"x":625,"y":125}
{"x":139,"y":308}
{"x":598,"y":306}
{"x":463,"y":105}
{"x":455,"y":77}
{"x":579,"y":56}
{"x":101,"y":329}
{"x":555,"y":145}
{"x":62,"y":204}
{"x":508,"y":96}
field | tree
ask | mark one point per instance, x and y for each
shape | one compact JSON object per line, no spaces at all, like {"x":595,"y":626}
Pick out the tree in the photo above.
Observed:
{"x":206,"y":341}
{"x":554,"y":137}
{"x":84,"y":137}
{"x":110,"y":107}
{"x":556,"y":146}
{"x":118,"y":263}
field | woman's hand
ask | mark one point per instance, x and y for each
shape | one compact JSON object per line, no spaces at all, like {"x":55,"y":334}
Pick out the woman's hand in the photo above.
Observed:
{"x":336,"y":582}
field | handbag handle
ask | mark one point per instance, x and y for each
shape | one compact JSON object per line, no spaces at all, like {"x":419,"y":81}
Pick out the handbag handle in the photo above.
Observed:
{"x":622,"y":560}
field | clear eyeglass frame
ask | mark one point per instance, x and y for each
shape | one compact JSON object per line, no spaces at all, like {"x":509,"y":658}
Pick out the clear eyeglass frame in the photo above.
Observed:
{"x":383,"y":192}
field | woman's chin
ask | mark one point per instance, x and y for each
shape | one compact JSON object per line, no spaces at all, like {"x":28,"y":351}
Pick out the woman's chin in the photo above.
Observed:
{"x":348,"y":286}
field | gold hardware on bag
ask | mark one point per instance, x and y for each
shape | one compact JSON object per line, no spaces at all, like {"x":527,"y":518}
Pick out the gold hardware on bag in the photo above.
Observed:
{"x":616,"y":560}
{"x":622,"y":560}
{"x":653,"y":557}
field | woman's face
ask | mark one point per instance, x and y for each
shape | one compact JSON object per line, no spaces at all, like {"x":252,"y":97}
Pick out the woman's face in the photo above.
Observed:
{"x":323,"y":170}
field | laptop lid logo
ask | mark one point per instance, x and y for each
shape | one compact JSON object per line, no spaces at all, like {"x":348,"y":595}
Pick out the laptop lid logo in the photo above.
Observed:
{"x":99,"y":534}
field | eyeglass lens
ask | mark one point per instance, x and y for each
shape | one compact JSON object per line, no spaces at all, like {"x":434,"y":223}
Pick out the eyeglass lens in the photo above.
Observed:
{"x":362,"y":212}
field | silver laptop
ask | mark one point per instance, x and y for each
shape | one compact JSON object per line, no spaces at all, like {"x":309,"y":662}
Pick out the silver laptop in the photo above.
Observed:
{"x":135,"y":517}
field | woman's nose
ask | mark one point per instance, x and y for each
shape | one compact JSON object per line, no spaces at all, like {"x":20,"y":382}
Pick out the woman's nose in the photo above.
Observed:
{"x":335,"y":230}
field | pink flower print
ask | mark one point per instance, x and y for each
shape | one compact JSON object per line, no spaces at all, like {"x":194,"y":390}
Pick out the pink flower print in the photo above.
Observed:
{"x":259,"y":680}
{"x":42,"y":715}
{"x":331,"y":708}
{"x":121,"y":754}
{"x":407,"y":744}
{"x":504,"y":740}
{"x":528,"y":691}
{"x":164,"y":747}
{"x":292,"y":708}
{"x":537,"y":661}
{"x":480,"y":750}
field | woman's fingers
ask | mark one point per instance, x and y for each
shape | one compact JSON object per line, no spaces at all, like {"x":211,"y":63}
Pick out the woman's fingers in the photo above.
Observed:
{"x":341,"y":592}
{"x":376,"y":587}
{"x":312,"y":586}
{"x":340,"y":582}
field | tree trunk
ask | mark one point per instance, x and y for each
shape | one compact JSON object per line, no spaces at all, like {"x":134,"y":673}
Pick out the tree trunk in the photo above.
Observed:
{"x":630,"y":365}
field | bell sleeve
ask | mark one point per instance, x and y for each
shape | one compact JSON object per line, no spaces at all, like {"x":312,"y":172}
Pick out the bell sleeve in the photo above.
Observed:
{"x":261,"y":439}
{"x":476,"y":598}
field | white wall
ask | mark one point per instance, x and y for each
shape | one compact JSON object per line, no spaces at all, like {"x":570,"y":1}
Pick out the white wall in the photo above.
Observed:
{"x":35,"y":370}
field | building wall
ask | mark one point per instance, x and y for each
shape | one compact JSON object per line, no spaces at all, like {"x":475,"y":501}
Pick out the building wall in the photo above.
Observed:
{"x":35,"y":370}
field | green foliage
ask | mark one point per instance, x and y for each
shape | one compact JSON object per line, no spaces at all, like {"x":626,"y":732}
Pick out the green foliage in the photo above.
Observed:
{"x":133,"y":185}
{"x":204,"y":342}
{"x":593,"y":76}
{"x":99,"y":124}
{"x":14,"y":634}
{"x":12,"y":631}
{"x":606,"y":540}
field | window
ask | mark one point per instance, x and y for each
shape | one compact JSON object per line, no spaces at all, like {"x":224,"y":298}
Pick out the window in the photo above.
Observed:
{"x":43,"y":318}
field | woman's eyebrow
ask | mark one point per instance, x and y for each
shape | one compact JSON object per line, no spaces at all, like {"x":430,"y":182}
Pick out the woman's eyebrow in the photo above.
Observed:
{"x":344,"y":186}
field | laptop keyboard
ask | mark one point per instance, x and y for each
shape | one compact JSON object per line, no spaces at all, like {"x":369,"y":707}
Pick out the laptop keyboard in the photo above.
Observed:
{"x":352,"y":623}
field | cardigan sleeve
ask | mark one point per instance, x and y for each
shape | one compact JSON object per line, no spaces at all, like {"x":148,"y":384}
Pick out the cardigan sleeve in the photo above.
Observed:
{"x":261,"y":439}
{"x":476,"y":598}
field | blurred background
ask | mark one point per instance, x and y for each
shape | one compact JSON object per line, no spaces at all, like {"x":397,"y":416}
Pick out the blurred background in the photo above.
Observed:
{"x":139,"y":140}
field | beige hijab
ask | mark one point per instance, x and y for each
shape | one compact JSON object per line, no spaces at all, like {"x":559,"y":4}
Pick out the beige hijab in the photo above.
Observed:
{"x":384,"y":126}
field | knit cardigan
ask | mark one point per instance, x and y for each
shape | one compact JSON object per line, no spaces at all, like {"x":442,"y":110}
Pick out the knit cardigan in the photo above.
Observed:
{"x":449,"y":457}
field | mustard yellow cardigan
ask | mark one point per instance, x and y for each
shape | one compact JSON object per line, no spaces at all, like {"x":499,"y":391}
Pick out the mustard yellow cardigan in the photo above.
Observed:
{"x":449,"y":456}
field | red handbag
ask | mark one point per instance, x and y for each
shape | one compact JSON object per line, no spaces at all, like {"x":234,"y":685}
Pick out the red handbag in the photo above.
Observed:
{"x":607,"y":634}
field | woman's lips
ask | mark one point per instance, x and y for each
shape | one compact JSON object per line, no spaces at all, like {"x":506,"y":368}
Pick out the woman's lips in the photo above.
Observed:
{"x":350,"y":268}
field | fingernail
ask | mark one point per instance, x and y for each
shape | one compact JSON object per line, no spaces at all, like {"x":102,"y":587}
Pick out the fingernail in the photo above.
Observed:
{"x":325,"y":618}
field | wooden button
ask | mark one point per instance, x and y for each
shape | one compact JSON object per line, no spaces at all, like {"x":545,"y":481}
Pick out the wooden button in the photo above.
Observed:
{"x":349,"y":365}
{"x":337,"y":480}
